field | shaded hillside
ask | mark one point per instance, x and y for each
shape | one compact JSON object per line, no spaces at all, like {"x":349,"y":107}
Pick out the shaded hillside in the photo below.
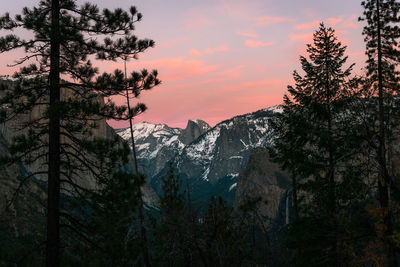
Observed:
{"x":211,"y":164}
{"x":264,"y":179}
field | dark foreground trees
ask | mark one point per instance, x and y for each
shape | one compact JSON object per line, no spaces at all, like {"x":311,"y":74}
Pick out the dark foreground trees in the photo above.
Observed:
{"x":315,"y":142}
{"x":381,"y":34}
{"x":338,"y":137}
{"x":182,"y":235}
{"x":58,"y":97}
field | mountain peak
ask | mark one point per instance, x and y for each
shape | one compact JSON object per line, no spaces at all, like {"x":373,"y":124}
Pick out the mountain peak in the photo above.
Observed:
{"x":193,"y":130}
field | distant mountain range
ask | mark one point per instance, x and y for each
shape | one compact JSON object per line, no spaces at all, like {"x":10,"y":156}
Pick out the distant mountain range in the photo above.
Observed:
{"x":210,"y":161}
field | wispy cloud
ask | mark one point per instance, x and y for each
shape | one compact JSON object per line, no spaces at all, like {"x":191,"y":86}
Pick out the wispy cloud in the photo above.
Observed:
{"x":304,"y":37}
{"x":351,"y":23}
{"x":209,"y":51}
{"x":221,"y":48}
{"x":175,"y":69}
{"x":250,"y":34}
{"x":268,"y":20}
{"x":334,"y":21}
{"x":254,"y":44}
{"x":174,"y":42}
{"x":195,"y":52}
{"x":338,"y":22}
{"x":307,"y":26}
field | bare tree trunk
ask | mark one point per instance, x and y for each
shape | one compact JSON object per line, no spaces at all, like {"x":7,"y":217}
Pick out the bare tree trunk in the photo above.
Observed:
{"x":145,"y":250}
{"x":53,"y":195}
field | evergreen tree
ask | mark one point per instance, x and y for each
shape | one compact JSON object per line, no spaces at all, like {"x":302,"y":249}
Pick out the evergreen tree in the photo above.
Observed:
{"x":381,"y":34}
{"x":108,"y":229}
{"x":222,"y":237}
{"x":58,"y":83}
{"x":172,"y":245}
{"x":314,"y":142}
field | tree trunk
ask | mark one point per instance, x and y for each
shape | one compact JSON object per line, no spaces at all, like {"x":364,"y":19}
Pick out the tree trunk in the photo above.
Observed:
{"x":384,"y":181}
{"x":383,"y":186}
{"x":53,"y":198}
{"x":331,"y":161}
{"x":145,"y":250}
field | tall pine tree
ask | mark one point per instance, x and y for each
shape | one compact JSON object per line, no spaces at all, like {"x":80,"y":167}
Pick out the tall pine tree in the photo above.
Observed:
{"x":314,"y":143}
{"x":58,"y":83}
{"x":381,"y":34}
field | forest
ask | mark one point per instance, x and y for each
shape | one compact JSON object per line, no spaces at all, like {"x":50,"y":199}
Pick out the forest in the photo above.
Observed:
{"x":73,"y":191}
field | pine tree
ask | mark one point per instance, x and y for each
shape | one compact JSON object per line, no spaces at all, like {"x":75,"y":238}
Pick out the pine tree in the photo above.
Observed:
{"x":107,"y":223}
{"x":58,"y":82}
{"x":314,"y":142}
{"x":381,"y":35}
{"x":171,"y":227}
{"x":222,"y":237}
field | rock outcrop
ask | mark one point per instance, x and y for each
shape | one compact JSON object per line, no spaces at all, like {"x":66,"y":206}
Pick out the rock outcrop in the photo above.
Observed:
{"x":264,"y":179}
{"x":193,"y":130}
{"x":157,"y":144}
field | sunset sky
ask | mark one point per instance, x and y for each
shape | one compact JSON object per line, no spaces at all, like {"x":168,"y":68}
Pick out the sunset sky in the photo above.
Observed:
{"x":220,"y":58}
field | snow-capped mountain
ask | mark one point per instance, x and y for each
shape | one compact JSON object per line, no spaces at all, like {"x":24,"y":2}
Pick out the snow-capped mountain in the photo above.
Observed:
{"x":211,"y":164}
{"x":208,"y":159}
{"x":156,"y":144}
{"x":225,"y":148}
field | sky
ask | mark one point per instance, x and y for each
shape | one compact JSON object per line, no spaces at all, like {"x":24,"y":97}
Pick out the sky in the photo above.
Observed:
{"x":222,"y":58}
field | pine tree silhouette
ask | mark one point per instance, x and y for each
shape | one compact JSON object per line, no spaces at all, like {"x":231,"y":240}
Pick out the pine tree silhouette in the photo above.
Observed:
{"x":62,"y":91}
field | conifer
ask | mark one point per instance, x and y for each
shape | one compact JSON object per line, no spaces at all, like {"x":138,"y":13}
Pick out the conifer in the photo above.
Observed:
{"x":58,"y":82}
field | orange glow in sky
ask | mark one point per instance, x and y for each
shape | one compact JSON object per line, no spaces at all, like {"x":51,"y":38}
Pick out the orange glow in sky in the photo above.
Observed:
{"x":219,"y":58}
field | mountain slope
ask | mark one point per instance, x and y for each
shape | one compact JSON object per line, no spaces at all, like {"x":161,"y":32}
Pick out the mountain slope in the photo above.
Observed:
{"x":156,"y":144}
{"x":211,"y":163}
{"x":263,"y":178}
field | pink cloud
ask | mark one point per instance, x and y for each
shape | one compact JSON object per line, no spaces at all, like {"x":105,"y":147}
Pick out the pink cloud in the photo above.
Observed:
{"x":304,"y":37}
{"x":221,"y":48}
{"x":307,"y":26}
{"x":174,"y":69}
{"x":268,"y":20}
{"x":356,"y":54}
{"x":174,"y":42}
{"x":195,"y":52}
{"x":334,"y":21}
{"x":351,"y":22}
{"x":209,"y":51}
{"x":225,"y":75}
{"x":338,"y":22}
{"x":263,"y":83}
{"x":247,"y":34}
{"x":254,"y":44}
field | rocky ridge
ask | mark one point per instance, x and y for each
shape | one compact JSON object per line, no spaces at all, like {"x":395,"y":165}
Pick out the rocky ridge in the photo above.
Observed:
{"x":210,"y":161}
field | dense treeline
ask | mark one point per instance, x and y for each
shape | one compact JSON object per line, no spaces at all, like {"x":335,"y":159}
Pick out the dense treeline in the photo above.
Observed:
{"x":337,"y":137}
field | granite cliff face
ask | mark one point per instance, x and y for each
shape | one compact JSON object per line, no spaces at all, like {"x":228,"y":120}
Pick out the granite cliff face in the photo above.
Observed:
{"x":264,"y":179}
{"x":193,"y":130}
{"x":208,"y":160}
{"x":157,"y":144}
{"x":27,"y":211}
{"x":21,"y":214}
